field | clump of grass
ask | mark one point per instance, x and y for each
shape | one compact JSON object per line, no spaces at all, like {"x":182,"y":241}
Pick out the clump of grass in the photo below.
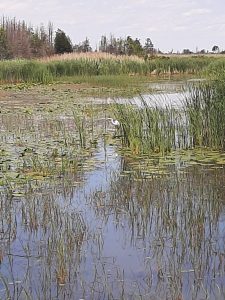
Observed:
{"x":149,"y":129}
{"x":30,"y":71}
{"x":111,"y":65}
{"x":205,"y":110}
{"x":80,"y":123}
{"x":216,"y":69}
{"x":61,"y":271}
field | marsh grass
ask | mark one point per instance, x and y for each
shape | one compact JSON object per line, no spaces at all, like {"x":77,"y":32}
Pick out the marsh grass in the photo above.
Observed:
{"x":115,"y":81}
{"x":30,"y":71}
{"x":150,"y":129}
{"x":56,"y":238}
{"x":54,"y":259}
{"x":205,"y":110}
{"x":49,"y":70}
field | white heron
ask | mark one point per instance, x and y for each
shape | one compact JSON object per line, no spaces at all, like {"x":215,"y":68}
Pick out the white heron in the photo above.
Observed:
{"x":114,"y":122}
{"x":116,"y":125}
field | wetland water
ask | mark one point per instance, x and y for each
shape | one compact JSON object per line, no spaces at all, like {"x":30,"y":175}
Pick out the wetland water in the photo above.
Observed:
{"x":96,"y":224}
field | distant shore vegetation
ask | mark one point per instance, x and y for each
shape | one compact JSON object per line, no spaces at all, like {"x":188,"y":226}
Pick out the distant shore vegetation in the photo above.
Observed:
{"x":18,"y":40}
{"x":42,"y":55}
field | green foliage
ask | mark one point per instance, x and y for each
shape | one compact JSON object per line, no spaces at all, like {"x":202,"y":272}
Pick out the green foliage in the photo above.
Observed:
{"x":187,"y":51}
{"x":127,"y":46}
{"x":216,"y":69}
{"x":46,"y":71}
{"x":134,"y":47}
{"x":205,"y":109}
{"x":149,"y":129}
{"x":149,"y":47}
{"x":215,"y":48}
{"x":62,"y":43}
{"x":24,"y":71}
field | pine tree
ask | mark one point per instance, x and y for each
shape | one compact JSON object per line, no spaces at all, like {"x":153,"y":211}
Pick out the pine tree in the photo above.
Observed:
{"x":149,"y":47}
{"x":62,"y":43}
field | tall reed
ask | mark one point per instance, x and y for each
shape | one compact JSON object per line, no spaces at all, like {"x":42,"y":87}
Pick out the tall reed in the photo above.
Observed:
{"x":200,"y":122}
{"x":45,"y":71}
{"x":205,"y":109}
{"x":149,"y":129}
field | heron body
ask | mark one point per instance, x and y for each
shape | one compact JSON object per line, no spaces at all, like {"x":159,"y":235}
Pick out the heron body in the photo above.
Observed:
{"x":115,"y":122}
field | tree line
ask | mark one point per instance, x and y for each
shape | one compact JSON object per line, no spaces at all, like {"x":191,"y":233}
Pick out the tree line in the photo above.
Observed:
{"x":20,"y":40}
{"x":118,"y":46}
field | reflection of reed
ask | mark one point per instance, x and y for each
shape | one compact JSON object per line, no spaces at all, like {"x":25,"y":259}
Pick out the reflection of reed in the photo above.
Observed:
{"x":47,"y":248}
{"x":176,"y":221}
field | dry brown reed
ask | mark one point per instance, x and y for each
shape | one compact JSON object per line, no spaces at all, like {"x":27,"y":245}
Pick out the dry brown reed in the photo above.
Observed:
{"x":90,"y":55}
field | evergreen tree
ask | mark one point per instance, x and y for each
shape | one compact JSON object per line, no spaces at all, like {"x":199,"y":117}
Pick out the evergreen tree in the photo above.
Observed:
{"x":133,"y":47}
{"x":149,"y":47}
{"x":215,"y":49}
{"x":62,"y":43}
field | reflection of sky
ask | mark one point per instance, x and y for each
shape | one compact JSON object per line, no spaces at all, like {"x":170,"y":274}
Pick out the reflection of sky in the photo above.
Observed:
{"x":122,"y":249}
{"x":164,"y":94}
{"x":131,"y":254}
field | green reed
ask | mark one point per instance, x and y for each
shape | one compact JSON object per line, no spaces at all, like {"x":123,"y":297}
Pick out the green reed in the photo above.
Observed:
{"x":47,"y":71}
{"x":24,"y":71}
{"x":205,"y":110}
{"x":148,"y":129}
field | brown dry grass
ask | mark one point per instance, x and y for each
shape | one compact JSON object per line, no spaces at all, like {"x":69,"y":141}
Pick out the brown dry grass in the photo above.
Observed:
{"x":102,"y":55}
{"x":90,"y":55}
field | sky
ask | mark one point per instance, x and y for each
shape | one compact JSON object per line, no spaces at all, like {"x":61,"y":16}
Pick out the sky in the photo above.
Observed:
{"x":172,"y":25}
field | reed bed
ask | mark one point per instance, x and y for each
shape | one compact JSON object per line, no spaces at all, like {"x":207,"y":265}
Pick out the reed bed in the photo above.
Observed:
{"x":216,"y":69}
{"x":91,"y":56}
{"x":31,"y":71}
{"x":151,"y":129}
{"x":205,"y":109}
{"x":48,"y":70}
{"x":200,"y":122}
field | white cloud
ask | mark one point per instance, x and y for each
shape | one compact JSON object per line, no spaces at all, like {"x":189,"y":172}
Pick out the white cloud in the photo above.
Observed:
{"x":176,"y":24}
{"x":180,"y":28}
{"x":197,"y":11}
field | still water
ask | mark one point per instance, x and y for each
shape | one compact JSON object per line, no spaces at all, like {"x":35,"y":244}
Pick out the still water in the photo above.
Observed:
{"x":105,"y":231}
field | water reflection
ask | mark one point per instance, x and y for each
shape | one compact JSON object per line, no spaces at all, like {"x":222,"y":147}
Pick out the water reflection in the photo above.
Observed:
{"x":117,"y":236}
{"x":162,"y":94}
{"x":107,"y":232}
{"x":167,"y":235}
